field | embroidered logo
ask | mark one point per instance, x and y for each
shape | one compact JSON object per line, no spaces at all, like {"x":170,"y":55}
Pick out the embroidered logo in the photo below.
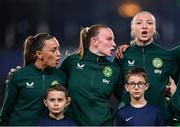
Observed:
{"x":105,"y":81}
{"x":131,"y":63}
{"x":80,"y":66}
{"x":157,"y":71}
{"x":55,"y":82}
{"x":127,"y":119}
{"x":157,"y":62}
{"x":107,"y":71}
{"x":29,"y":85}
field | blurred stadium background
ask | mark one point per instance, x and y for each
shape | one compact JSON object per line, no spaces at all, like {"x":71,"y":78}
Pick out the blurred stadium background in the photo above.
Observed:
{"x":64,"y":18}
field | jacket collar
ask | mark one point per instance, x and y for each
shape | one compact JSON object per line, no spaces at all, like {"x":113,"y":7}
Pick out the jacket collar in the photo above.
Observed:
{"x":47,"y":70}
{"x":146,"y":46}
{"x":89,"y":56}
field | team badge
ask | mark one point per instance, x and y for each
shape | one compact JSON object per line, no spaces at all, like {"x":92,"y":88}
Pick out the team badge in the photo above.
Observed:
{"x":55,"y":82}
{"x":107,"y":71}
{"x":157,"y":62}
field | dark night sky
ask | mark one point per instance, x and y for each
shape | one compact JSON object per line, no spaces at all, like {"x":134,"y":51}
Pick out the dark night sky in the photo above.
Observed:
{"x":63,"y":19}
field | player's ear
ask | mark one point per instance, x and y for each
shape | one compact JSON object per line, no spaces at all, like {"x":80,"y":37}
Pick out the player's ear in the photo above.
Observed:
{"x":39,"y":54}
{"x":45,"y":102}
{"x":147,"y":86}
{"x":68,"y":101}
{"x":126,"y":87}
{"x":94,"y":41}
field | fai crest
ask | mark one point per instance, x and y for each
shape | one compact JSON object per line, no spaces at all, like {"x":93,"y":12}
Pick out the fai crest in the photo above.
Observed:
{"x":107,"y":71}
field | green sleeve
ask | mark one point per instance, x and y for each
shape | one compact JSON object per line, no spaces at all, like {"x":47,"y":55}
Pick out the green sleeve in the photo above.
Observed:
{"x":118,"y":89}
{"x":175,"y":98}
{"x":175,"y":64}
{"x":9,"y":101}
{"x":176,"y":102}
{"x":66,"y":67}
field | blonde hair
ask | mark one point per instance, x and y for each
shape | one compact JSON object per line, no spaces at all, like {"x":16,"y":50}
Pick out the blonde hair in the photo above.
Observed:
{"x":155,"y":35}
{"x":85,"y":37}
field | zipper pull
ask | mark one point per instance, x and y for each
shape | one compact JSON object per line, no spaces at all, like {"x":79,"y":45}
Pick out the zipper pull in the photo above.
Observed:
{"x":97,"y":59}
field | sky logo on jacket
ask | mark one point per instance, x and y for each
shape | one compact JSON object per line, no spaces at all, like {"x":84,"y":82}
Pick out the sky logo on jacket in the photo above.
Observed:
{"x":105,"y":81}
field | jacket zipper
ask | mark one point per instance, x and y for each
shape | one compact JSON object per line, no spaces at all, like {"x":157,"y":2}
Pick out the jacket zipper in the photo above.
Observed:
{"x":92,"y":85}
{"x":43,"y":80}
{"x":92,"y":103}
{"x":143,"y":57}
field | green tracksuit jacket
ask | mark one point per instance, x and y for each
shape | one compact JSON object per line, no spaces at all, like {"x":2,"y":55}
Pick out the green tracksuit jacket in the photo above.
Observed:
{"x":23,"y":99}
{"x":158,"y":64}
{"x":176,"y":97}
{"x":91,"y":81}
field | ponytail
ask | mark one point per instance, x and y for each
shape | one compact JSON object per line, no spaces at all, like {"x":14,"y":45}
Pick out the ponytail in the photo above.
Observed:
{"x":85,"y":37}
{"x":27,"y":51}
{"x":83,"y":46}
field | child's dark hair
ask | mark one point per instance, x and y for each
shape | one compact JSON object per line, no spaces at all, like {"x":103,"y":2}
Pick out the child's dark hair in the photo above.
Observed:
{"x":57,"y":87}
{"x":137,"y":71}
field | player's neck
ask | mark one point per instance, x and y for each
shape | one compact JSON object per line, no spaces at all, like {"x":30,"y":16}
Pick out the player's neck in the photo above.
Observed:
{"x":39,"y":64}
{"x":95,"y":51}
{"x":138,"y":103}
{"x":56,"y":116}
{"x":141,"y":43}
